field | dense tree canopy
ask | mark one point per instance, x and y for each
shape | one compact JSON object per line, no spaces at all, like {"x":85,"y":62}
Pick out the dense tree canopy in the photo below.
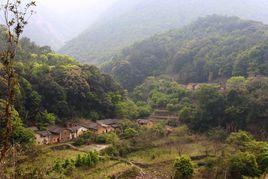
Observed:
{"x":239,"y":104}
{"x":211,"y":49}
{"x":56,"y":88}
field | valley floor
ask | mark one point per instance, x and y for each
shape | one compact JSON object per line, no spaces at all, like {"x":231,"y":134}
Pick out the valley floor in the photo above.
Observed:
{"x":155,"y":161}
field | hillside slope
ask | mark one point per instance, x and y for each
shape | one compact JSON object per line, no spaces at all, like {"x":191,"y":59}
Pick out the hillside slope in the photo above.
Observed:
{"x":131,"y":21}
{"x":213,"y":48}
{"x":57,"y":87}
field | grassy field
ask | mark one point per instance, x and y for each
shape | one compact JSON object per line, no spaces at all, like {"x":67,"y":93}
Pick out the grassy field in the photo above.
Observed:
{"x":155,"y":161}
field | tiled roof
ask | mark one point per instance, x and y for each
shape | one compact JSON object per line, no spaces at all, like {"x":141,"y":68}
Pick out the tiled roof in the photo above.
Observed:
{"x":88,"y":124}
{"x":33,"y":128}
{"x":74,"y":128}
{"x":55,"y":129}
{"x":43,"y":133}
{"x":108,"y":121}
{"x":143,"y":121}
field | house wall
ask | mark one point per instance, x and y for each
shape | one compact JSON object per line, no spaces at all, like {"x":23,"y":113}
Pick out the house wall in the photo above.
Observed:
{"x":41,"y":140}
{"x":65,"y":135}
{"x":54,"y":139}
{"x":81,"y":131}
{"x":101,"y":130}
{"x":73,"y":135}
{"x":109,"y":129}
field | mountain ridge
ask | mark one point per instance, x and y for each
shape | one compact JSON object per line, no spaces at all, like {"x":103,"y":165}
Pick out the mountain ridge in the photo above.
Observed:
{"x":212,"y":48}
{"x":141,"y":20}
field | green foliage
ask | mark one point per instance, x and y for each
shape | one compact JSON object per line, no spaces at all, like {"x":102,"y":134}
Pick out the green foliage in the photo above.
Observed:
{"x":20,"y":135}
{"x":67,"y":166}
{"x":107,"y":138}
{"x":57,"y":167}
{"x":244,"y":164}
{"x":153,"y":18}
{"x":238,"y":83}
{"x":239,"y":139}
{"x":125,"y":124}
{"x":127,"y":109}
{"x":242,"y":156}
{"x":160,"y":92}
{"x":159,"y":128}
{"x":262,"y":160}
{"x":210,"y":49}
{"x":218,"y":134}
{"x":183,"y":167}
{"x":238,"y":105}
{"x":129,"y":132}
{"x":88,"y":160}
{"x":144,"y":109}
{"x":190,"y":115}
{"x":56,"y":88}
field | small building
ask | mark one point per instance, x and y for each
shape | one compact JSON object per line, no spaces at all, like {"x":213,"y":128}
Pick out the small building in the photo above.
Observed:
{"x":54,"y":139}
{"x":96,"y":128}
{"x":42,"y":137}
{"x":114,"y":123}
{"x":145,"y":122}
{"x":107,"y":127}
{"x":63,"y":133}
{"x":77,"y":131}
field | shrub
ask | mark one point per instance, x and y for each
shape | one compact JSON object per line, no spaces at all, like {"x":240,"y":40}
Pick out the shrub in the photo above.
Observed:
{"x":79,"y":142}
{"x":218,"y":134}
{"x":57,"y":167}
{"x":239,"y":139}
{"x":87,"y":137}
{"x":101,"y":139}
{"x":184,"y":167}
{"x":144,"y":109}
{"x":111,"y":151}
{"x":262,"y":160}
{"x":129,"y":133}
{"x":244,"y":164}
{"x":107,"y":138}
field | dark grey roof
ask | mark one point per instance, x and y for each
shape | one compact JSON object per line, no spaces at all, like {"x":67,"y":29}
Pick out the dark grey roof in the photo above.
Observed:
{"x":43,"y":133}
{"x":88,"y":124}
{"x":74,"y":128}
{"x":33,"y":128}
{"x":143,"y":121}
{"x":55,"y":129}
{"x":108,"y":121}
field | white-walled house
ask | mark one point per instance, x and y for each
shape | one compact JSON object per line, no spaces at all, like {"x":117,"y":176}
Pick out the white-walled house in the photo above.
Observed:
{"x":42,"y":137}
{"x":77,"y":131}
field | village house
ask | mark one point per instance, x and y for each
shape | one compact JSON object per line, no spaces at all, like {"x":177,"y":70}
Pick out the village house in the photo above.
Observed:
{"x":60,"y":133}
{"x":54,"y":139}
{"x":111,"y":123}
{"x":145,"y":122}
{"x":57,"y":134}
{"x":96,"y":128}
{"x":77,"y":131}
{"x":42,"y":137}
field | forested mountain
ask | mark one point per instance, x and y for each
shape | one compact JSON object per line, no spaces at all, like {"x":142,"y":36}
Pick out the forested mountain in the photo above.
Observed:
{"x":131,"y":21}
{"x":56,"y":88}
{"x":211,"y":49}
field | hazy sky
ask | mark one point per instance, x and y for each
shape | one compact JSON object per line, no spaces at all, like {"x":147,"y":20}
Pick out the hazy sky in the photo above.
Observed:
{"x":80,"y":12}
{"x":67,"y":5}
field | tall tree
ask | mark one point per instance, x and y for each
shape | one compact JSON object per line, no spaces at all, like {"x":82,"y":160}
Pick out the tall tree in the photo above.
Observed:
{"x":16,"y":15}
